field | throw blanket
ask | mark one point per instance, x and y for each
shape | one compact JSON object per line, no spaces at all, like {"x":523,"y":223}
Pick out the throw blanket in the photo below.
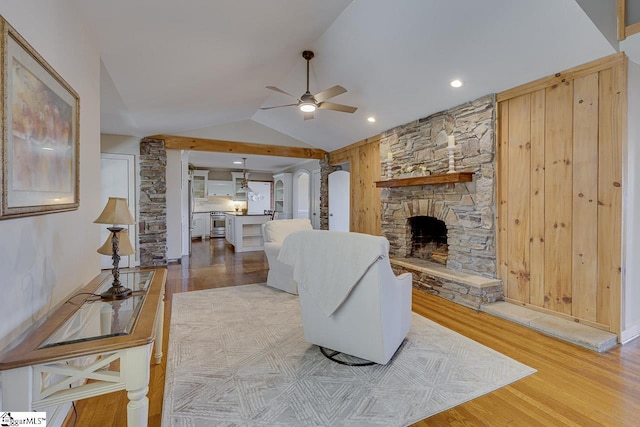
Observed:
{"x":328,"y":264}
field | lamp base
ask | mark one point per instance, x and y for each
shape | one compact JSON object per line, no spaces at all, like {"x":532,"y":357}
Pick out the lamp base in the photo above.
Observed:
{"x":116,"y":292}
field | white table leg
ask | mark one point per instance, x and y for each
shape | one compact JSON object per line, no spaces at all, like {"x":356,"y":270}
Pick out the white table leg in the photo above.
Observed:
{"x":138,"y":407}
{"x":135,"y":370}
{"x":17,"y":389}
{"x":159,"y":333}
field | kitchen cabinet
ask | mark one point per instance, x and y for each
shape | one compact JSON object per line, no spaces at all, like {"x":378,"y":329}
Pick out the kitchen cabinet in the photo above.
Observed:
{"x":220,"y":188}
{"x":282,"y":195}
{"x":201,"y":225}
{"x":229,"y":229}
{"x":199,"y":179}
{"x":244,"y":232}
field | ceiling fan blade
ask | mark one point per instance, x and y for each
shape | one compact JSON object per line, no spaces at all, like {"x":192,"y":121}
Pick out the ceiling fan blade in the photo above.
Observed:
{"x":337,"y":107}
{"x":277,"y":106}
{"x":279,"y":90}
{"x":329,"y":93}
{"x":308,"y":116}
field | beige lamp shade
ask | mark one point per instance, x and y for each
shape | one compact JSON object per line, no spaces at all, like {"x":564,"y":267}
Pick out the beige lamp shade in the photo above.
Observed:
{"x":124,"y":245}
{"x":115,"y":212}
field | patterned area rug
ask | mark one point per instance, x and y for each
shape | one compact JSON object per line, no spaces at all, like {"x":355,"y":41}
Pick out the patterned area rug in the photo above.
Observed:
{"x":237,"y":357}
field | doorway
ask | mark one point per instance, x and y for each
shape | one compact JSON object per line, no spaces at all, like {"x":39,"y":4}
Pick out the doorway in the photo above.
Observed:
{"x":301,"y":194}
{"x":339,"y":196}
{"x":315,"y":199}
{"x":117,"y":177}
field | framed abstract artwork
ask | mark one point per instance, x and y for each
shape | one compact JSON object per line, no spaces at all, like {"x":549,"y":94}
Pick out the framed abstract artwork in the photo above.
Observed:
{"x":40,"y":132}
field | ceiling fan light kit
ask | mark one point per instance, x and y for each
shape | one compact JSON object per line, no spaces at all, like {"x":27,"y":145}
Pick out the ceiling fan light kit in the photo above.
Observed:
{"x":307,"y":107}
{"x":308,"y":103}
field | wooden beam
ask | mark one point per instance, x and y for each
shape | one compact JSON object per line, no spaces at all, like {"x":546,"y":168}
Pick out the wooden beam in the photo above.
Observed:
{"x":622,"y":18}
{"x":632,"y":29}
{"x":220,"y":146}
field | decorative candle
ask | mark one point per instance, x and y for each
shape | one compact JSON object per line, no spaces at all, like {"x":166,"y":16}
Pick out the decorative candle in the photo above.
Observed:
{"x":389,"y":156}
{"x":452,"y":141}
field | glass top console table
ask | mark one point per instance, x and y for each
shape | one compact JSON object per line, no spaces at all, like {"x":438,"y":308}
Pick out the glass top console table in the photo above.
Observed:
{"x":81,"y":339}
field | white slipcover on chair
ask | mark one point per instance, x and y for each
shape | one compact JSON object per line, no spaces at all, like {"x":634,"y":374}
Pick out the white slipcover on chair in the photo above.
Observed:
{"x":351,"y":301}
{"x":274,"y":232}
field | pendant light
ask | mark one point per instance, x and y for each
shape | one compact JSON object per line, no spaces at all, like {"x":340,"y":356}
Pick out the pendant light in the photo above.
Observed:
{"x":244,"y":184}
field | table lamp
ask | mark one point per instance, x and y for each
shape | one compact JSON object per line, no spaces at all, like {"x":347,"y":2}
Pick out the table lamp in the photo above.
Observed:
{"x":116,"y":212}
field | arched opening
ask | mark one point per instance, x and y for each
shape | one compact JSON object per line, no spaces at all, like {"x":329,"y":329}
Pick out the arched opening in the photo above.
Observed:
{"x":301,"y":194}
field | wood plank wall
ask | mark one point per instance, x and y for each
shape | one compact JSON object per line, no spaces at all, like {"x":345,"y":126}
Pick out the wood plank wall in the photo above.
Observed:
{"x":559,"y":192}
{"x":364,"y":163}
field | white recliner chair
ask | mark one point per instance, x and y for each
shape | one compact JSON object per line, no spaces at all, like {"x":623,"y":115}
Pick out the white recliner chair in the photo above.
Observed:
{"x":274,"y":232}
{"x":351,"y":301}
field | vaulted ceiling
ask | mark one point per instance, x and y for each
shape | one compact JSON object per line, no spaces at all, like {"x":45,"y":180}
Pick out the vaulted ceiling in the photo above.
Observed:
{"x":172,"y":67}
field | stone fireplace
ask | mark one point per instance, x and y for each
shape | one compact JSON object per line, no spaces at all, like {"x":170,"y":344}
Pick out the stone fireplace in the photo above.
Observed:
{"x":462,"y":214}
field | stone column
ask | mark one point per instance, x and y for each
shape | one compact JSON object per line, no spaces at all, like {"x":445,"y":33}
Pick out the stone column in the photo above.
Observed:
{"x":152,"y":224}
{"x":325,"y":170}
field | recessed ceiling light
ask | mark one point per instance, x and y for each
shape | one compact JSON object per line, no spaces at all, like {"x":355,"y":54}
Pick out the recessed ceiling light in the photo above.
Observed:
{"x":371,"y":119}
{"x":456,"y":83}
{"x":237,"y":162}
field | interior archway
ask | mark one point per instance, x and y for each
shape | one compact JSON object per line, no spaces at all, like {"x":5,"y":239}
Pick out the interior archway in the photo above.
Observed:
{"x":301,"y":194}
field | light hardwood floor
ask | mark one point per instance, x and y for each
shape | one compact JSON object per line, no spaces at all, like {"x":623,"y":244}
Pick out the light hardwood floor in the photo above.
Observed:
{"x":573,"y":386}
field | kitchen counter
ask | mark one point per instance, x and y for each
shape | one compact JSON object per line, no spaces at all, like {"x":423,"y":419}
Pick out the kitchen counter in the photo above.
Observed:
{"x":248,"y":214}
{"x":244,"y":232}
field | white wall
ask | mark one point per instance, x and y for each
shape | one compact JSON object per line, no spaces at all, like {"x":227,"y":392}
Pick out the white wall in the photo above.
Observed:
{"x":309,"y":166}
{"x":44,"y":259}
{"x":184,"y":203}
{"x":631,"y":212}
{"x":244,"y":131}
{"x":120,"y":144}
{"x":174,"y":204}
{"x":604,"y":14}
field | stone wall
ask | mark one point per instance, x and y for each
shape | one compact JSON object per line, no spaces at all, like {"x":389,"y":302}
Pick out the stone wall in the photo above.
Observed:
{"x":468,"y":209}
{"x":325,"y":170}
{"x":152,"y":224}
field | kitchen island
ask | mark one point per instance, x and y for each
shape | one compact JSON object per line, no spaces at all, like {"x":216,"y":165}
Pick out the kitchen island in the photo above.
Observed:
{"x":244,"y":231}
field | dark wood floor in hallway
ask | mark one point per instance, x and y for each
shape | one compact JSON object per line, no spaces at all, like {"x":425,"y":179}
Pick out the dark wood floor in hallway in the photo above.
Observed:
{"x":573,"y":386}
{"x":214,"y":264}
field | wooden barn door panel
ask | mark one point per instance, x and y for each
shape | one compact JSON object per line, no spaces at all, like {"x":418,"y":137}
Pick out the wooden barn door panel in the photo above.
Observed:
{"x":537,"y":251}
{"x":557,"y":193}
{"x":559,"y":199}
{"x":502,"y":167}
{"x":612,"y":117}
{"x":585,"y":197}
{"x":519,"y":161}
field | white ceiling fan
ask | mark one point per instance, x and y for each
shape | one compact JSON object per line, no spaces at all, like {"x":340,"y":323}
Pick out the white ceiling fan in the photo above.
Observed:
{"x":308,"y":103}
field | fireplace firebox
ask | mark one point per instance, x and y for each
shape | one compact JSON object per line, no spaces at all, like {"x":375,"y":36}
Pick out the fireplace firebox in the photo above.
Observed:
{"x":428,"y":238}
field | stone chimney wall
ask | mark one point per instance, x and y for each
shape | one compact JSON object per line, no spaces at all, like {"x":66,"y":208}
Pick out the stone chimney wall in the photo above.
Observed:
{"x":468,"y":209}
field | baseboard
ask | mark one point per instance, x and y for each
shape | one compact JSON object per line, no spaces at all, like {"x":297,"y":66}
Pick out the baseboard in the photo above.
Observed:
{"x":630,"y":333}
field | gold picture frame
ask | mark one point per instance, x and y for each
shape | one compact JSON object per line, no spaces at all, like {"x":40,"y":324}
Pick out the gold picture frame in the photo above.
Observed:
{"x":40,"y":153}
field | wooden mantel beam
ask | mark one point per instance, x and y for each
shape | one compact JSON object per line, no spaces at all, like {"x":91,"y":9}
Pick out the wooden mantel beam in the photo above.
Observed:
{"x":220,"y":146}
